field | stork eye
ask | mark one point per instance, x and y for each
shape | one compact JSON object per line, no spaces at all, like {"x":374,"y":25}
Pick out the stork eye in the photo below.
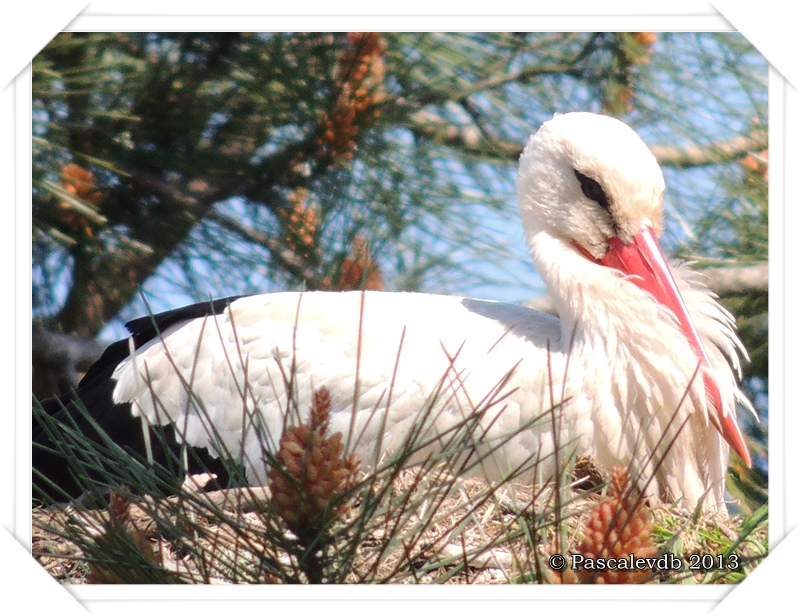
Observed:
{"x":592,"y":189}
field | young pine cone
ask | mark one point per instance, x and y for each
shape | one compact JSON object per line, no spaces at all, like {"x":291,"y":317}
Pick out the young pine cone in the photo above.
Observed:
{"x":313,"y":475}
{"x":617,"y":527}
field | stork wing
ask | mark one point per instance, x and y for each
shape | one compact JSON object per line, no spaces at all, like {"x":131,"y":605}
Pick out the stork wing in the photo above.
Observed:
{"x":408,"y":365}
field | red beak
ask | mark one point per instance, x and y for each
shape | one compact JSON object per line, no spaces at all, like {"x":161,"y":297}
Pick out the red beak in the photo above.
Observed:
{"x":643,"y":260}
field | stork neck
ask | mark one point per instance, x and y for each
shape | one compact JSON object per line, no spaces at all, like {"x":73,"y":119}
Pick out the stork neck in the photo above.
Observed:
{"x":581,"y":289}
{"x":602,"y":310}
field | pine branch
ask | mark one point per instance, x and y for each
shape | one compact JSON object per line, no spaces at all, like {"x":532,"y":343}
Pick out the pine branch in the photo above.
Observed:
{"x":470,"y":139}
{"x":441,"y":96}
{"x":194,"y":196}
{"x":287,"y":259}
{"x":743,"y":280}
{"x":711,"y":154}
{"x":102,"y":284}
{"x":724,"y":281}
{"x":54,"y":347}
{"x":58,"y":360}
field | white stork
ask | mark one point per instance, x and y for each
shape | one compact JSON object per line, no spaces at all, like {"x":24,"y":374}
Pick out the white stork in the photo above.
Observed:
{"x":640,"y":368}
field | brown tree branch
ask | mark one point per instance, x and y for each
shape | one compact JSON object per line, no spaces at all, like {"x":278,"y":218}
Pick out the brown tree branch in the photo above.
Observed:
{"x":103,"y":282}
{"x":469,"y":138}
{"x":724,"y":281}
{"x":58,"y":360}
{"x":287,"y":259}
{"x":710,"y":154}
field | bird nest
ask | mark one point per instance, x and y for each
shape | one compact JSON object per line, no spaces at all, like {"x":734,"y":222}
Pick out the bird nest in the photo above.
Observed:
{"x":417,"y":528}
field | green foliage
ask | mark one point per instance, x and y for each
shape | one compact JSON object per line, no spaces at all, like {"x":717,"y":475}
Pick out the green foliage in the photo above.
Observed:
{"x":198,"y":142}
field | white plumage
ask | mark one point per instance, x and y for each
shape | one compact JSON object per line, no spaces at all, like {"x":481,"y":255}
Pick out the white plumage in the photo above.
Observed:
{"x":615,"y":368}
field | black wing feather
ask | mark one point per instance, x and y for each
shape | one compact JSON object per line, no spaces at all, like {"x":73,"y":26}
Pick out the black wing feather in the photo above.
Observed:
{"x":91,"y":411}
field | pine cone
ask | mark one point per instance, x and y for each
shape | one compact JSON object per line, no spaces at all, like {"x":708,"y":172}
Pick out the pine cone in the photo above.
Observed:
{"x":313,"y":475}
{"x":618,"y":527}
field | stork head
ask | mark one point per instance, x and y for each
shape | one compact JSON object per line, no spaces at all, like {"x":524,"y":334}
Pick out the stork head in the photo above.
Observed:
{"x":588,"y":178}
{"x":591,"y":182}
